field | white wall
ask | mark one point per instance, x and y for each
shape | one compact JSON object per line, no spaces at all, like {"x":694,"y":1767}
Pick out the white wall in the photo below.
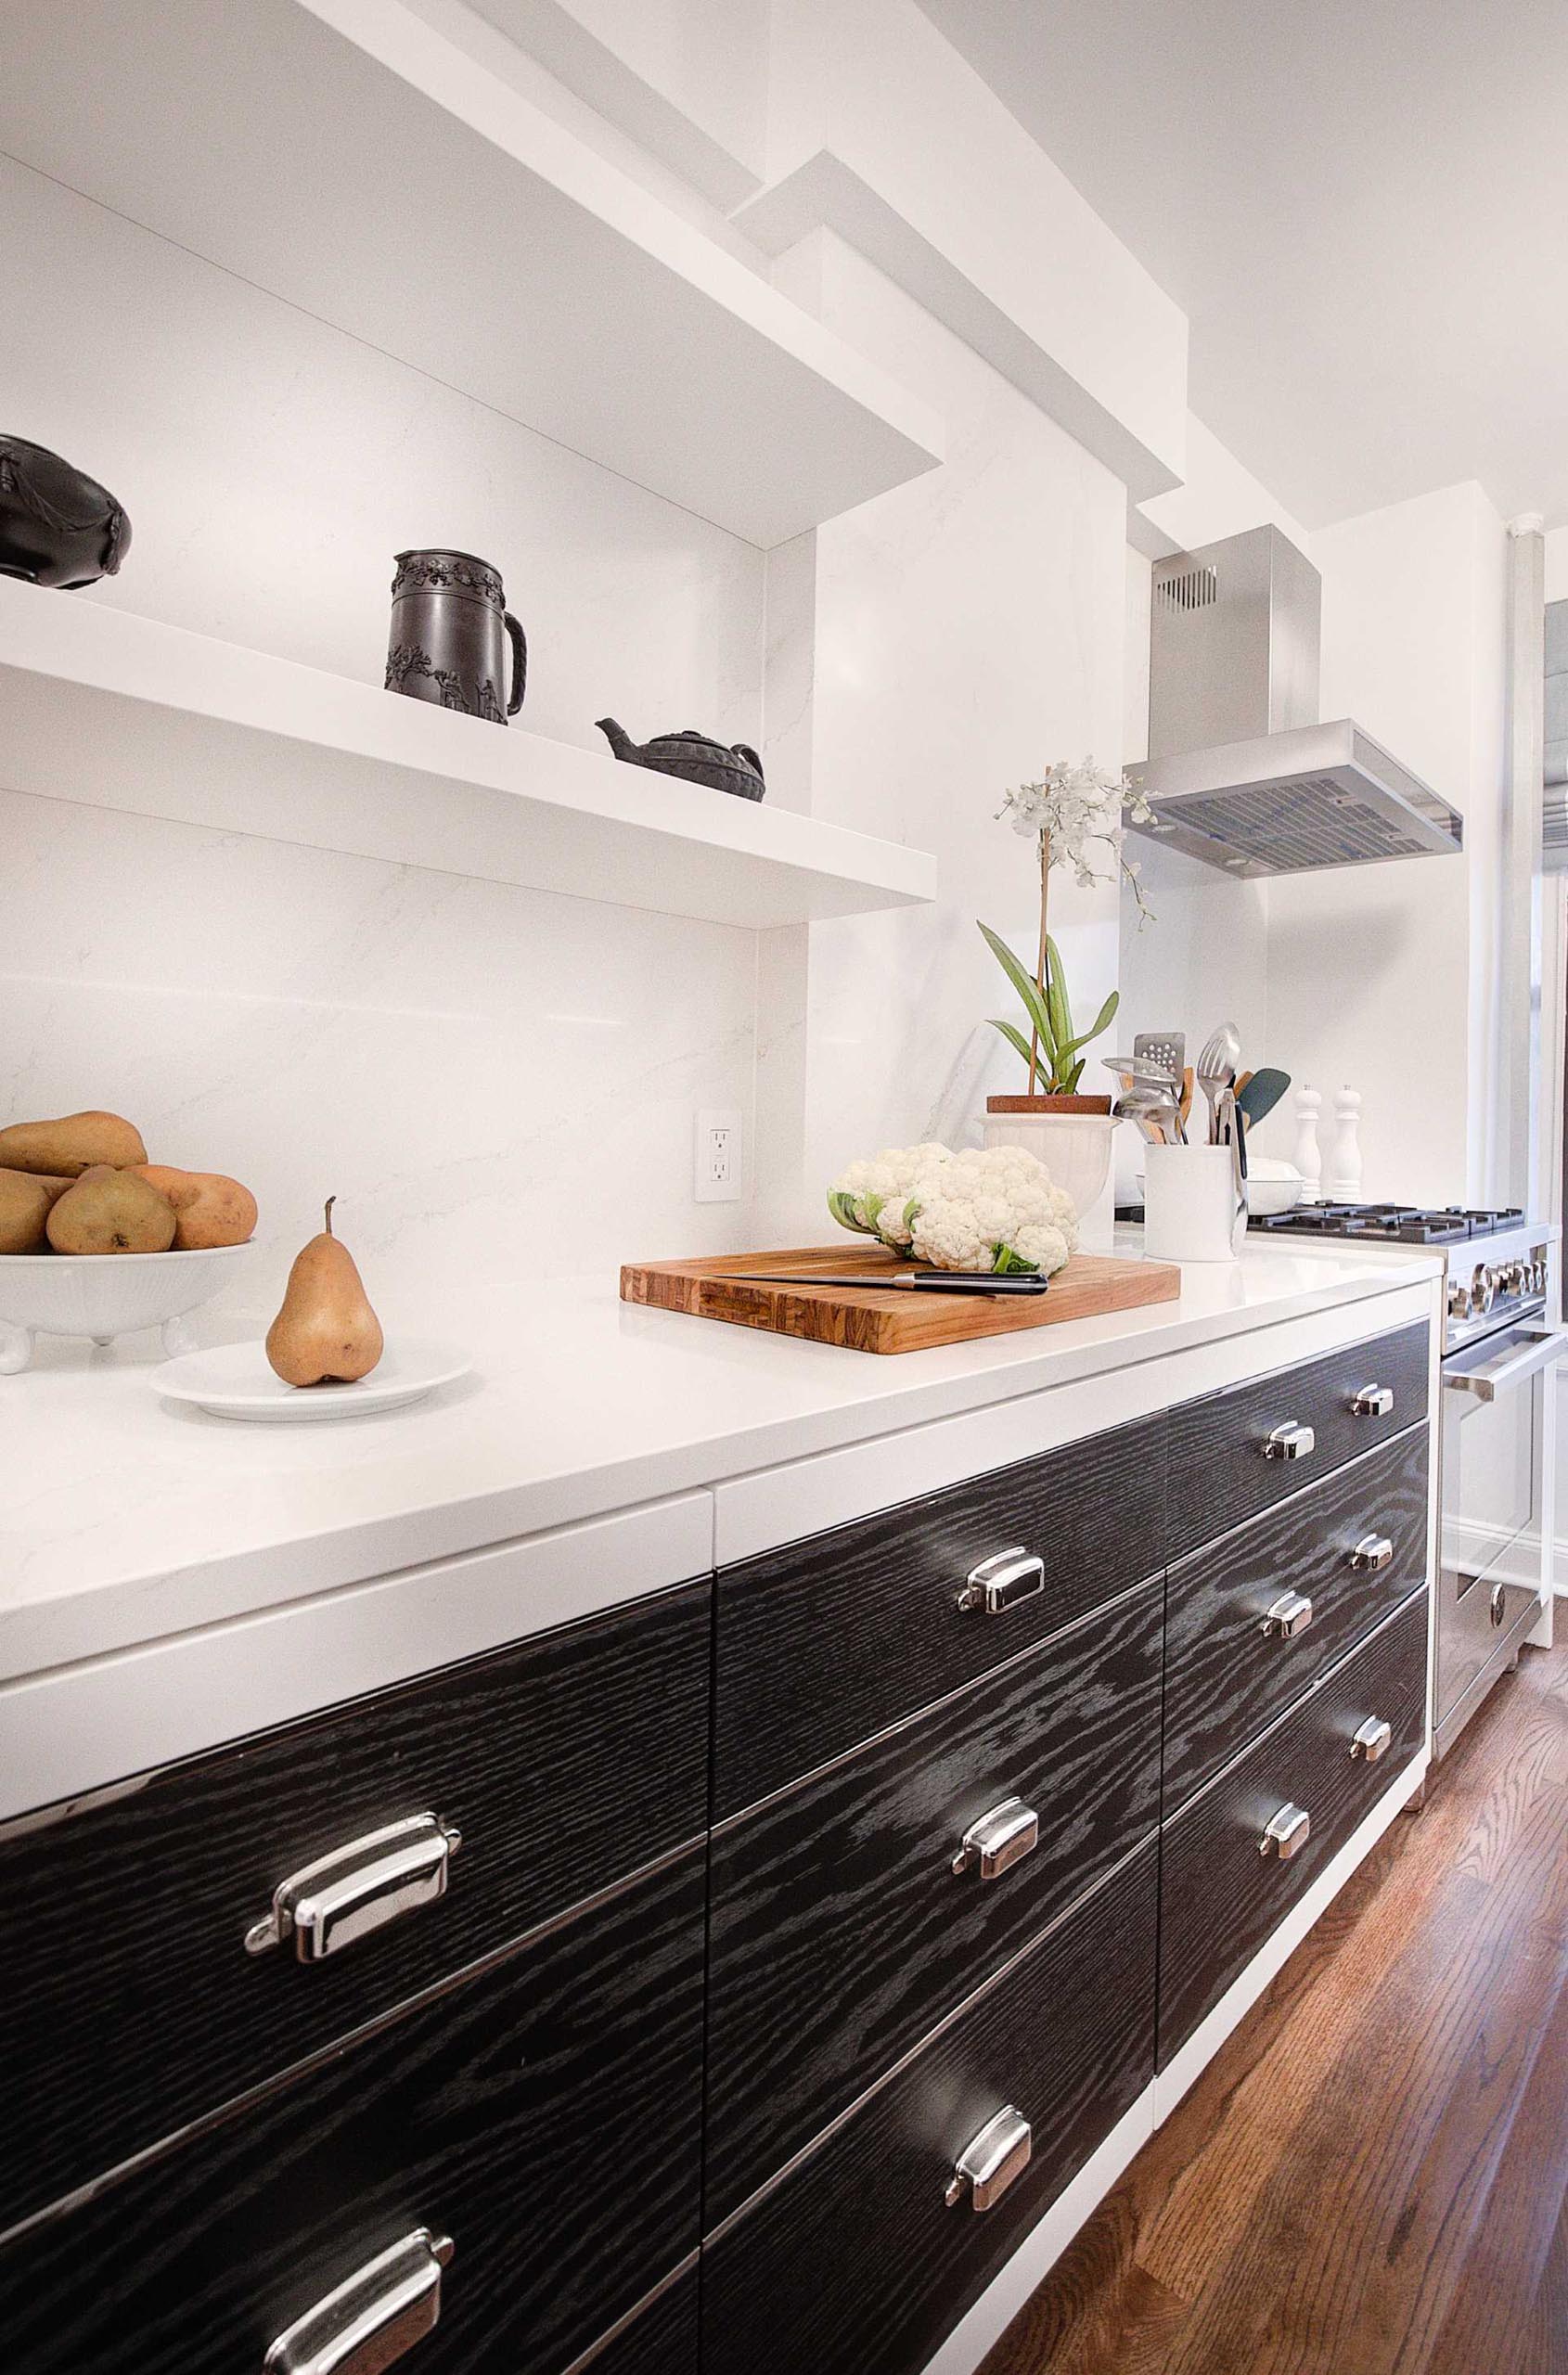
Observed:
{"x":968,"y":630}
{"x":1557,"y":564}
{"x":1383,"y":978}
{"x":1380,"y":976}
{"x":494,"y":1081}
{"x":489,"y":1077}
{"x":1218,"y":496}
{"x":499,"y":1079}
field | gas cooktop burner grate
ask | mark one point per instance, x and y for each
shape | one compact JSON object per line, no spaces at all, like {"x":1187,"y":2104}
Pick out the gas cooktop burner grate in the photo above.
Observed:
{"x":1406,"y":1223}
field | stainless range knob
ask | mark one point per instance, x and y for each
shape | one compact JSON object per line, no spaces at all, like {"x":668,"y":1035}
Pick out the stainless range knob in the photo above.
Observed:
{"x":1458,"y":1299}
{"x":1482,"y":1288}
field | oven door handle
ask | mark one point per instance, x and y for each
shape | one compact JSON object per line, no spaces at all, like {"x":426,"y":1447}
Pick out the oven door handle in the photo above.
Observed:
{"x":1525,"y":1354}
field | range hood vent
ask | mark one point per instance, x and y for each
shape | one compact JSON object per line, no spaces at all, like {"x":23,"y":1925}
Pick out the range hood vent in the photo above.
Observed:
{"x":1241,"y":774}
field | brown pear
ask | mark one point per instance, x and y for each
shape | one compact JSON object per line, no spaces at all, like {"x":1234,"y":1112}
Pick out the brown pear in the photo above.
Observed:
{"x":112,"y":1212}
{"x":72,"y":1145}
{"x":326,"y":1332}
{"x":208,"y":1208}
{"x":25,"y":1198}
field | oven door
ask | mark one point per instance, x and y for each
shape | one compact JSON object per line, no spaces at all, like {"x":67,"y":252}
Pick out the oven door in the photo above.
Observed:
{"x":1493,"y":1576}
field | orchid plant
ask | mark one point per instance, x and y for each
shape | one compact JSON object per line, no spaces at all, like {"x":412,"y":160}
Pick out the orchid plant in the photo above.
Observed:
{"x":1075,"y":816}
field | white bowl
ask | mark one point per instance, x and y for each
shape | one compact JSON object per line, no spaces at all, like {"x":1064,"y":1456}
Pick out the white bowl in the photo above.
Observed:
{"x":1273,"y":1185}
{"x":105,"y":1295}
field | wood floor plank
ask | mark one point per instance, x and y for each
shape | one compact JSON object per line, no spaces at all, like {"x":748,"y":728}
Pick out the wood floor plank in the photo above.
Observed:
{"x":1523,"y":2218}
{"x":1543,"y":2344}
{"x":1374,"y":2170}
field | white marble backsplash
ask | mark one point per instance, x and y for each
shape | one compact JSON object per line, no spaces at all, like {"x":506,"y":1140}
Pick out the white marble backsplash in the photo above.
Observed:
{"x":495,"y":1082}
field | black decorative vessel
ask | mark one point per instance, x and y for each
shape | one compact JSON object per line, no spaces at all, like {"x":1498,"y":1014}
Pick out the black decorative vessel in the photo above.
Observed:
{"x":58,"y":526}
{"x":449,"y":628}
{"x":722,"y":765}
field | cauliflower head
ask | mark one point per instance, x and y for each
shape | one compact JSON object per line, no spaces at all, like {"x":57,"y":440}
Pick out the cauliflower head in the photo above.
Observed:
{"x":995,"y":1208}
{"x":873,"y":1195}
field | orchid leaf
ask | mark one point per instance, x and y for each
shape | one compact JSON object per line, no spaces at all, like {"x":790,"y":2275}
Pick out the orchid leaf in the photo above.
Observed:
{"x":1014,"y":1038}
{"x":1057,"y":1005}
{"x":1102,"y":1023}
{"x":1028,"y":989}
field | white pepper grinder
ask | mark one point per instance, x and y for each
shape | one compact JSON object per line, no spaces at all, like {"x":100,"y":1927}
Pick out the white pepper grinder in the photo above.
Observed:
{"x":1309,"y":1158}
{"x":1344,"y":1156}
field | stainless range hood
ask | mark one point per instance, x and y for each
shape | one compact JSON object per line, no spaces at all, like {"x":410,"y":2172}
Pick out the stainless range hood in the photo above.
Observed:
{"x":1240,"y":773}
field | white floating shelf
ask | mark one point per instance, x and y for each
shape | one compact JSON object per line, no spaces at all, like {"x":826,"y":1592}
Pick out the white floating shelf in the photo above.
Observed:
{"x":100,"y":706}
{"x":350,"y":157}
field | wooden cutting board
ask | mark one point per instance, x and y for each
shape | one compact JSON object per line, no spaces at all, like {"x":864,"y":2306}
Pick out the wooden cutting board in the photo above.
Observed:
{"x":886,"y":1319}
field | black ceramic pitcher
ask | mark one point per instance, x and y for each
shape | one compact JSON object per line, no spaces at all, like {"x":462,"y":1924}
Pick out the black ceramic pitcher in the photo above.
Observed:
{"x":449,"y":629}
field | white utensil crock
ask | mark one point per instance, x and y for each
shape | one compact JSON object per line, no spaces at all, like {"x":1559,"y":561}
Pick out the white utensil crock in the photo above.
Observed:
{"x":1192,"y":1212}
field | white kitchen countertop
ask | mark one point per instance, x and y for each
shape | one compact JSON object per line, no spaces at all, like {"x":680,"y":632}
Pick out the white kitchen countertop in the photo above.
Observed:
{"x":124,"y":1519}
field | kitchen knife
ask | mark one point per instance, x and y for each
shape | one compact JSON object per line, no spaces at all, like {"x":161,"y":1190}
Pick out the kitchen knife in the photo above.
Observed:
{"x":952,"y":1282}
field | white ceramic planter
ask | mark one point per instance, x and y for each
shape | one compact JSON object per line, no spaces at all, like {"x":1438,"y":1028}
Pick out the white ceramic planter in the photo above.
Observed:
{"x":1075,"y":1150}
{"x":105,"y":1295}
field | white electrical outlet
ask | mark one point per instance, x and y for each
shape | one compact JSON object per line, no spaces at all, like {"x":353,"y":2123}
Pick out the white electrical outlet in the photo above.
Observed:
{"x":718,"y":1155}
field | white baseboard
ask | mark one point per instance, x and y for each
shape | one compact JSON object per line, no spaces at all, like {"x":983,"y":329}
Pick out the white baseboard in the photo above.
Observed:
{"x":983,"y":2325}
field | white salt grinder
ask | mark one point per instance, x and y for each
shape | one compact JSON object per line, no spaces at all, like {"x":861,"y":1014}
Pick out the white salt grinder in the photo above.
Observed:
{"x":1344,"y":1155}
{"x":1309,"y":1160}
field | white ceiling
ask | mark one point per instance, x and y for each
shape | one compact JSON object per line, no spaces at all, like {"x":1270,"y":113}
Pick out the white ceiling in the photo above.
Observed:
{"x":1362,"y":205}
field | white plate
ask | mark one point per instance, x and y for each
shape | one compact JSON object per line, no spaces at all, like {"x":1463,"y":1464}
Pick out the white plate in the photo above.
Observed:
{"x":234,"y":1381}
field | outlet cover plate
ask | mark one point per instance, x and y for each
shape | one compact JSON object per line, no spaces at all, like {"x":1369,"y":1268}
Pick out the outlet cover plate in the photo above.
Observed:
{"x":718,"y":1171}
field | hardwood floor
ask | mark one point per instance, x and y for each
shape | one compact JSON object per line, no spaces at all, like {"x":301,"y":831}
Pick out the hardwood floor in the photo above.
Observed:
{"x":1371,"y":2178}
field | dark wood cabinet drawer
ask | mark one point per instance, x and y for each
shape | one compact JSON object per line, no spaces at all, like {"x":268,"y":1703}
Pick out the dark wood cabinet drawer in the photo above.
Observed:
{"x":855,"y":2264}
{"x":1221,"y":1895}
{"x":545,"y":2114}
{"x":841,"y":1933}
{"x":1220,"y":1471}
{"x":662,"y":2339}
{"x":832,"y":1639}
{"x":130,"y":2006}
{"x":1230,"y":1667}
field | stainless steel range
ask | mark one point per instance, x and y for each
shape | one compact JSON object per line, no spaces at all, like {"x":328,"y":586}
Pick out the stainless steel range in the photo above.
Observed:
{"x":1500,"y":1335}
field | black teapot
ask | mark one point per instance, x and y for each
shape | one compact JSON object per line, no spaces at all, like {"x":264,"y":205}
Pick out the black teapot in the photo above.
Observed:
{"x":696,"y":756}
{"x":58,"y":526}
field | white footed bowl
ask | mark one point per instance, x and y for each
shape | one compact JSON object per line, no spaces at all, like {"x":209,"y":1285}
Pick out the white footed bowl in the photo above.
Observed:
{"x":105,"y":1295}
{"x":1074,"y":1148}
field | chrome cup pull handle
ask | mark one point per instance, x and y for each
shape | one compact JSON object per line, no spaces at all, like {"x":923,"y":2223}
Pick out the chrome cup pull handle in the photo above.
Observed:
{"x":1371,"y":1740}
{"x":1000,"y":1583}
{"x":358,"y":1889}
{"x":1291,"y":1614}
{"x":1372,"y":1554}
{"x":1286,"y":1833}
{"x":991,"y":2160}
{"x":1372,"y":1402}
{"x":1000,"y":1839}
{"x":1291,"y":1441}
{"x":370,"y":2320}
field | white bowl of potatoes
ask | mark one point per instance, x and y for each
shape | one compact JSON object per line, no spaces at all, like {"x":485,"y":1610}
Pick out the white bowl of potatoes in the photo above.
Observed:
{"x":97,"y":1241}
